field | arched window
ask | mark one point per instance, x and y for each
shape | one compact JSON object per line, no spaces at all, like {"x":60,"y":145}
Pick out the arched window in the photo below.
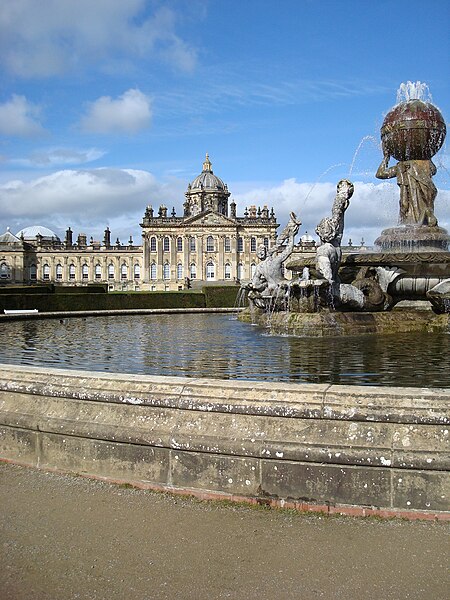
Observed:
{"x":192,"y":244}
{"x":240,"y":271}
{"x":33,"y":272}
{"x":124,"y":271}
{"x":193,"y":271}
{"x":137,"y":271}
{"x":153,"y":271}
{"x":179,"y":244}
{"x":71,"y":271}
{"x":153,"y":244}
{"x":5,"y":271}
{"x":227,"y":244}
{"x":98,"y":271}
{"x":46,"y":272}
{"x":59,"y":272}
{"x":111,"y":271}
{"x":166,"y":244}
{"x":210,"y":244}
{"x":179,"y":271}
{"x":166,"y":271}
{"x":252,"y":244}
{"x":240,"y":244}
{"x":210,"y":270}
{"x":252,"y":269}
{"x":227,"y":271}
{"x":85,"y":271}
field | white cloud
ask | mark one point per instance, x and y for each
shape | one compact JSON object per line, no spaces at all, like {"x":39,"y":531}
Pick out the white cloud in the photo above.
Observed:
{"x":48,"y":38}
{"x":59,"y":156}
{"x":88,"y":199}
{"x":129,"y":113}
{"x":19,"y":117}
{"x":373,"y":207}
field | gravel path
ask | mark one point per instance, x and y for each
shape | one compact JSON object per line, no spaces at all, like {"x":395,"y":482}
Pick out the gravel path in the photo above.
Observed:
{"x":64,"y":537}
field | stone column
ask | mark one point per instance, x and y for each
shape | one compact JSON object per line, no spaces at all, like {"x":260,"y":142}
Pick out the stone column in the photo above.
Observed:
{"x":234,"y":259}
{"x":186,"y":261}
{"x":159,"y":258}
{"x":200,"y":259}
{"x":220,"y":274}
{"x":173,"y":257}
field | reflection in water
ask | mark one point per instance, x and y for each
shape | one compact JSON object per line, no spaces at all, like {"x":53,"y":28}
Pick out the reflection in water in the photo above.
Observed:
{"x":219,"y":346}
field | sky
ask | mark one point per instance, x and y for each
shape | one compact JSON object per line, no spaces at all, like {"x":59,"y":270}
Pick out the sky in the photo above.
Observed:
{"x":107,"y":106}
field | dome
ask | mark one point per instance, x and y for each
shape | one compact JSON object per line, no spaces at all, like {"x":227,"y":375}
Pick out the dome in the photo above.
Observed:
{"x":30,"y":233}
{"x":306,"y":238}
{"x":207,"y":180}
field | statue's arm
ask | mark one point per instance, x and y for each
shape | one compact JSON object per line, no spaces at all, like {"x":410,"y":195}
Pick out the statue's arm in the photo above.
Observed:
{"x":288,"y":249}
{"x":384,"y":171}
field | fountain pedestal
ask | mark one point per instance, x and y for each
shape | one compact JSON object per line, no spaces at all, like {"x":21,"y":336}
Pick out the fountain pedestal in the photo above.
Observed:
{"x":413,"y":238}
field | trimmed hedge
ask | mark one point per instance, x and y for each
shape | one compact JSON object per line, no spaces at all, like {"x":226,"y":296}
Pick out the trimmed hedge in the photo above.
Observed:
{"x":27,"y":289}
{"x":221,"y":296}
{"x":67,"y":299}
{"x":118,"y":301}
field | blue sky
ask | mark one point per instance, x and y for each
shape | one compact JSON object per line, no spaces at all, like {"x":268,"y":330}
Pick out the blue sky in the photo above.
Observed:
{"x":107,"y":106}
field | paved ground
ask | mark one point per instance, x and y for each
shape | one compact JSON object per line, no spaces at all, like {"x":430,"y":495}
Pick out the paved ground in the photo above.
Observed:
{"x":65,"y":537}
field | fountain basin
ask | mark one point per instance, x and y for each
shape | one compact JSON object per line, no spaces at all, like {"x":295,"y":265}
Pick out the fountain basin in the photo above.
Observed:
{"x":356,"y":450}
{"x":334,"y":323}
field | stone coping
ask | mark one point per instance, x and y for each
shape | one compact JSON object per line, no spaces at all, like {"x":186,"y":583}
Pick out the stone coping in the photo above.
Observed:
{"x":31,"y":315}
{"x":353,"y":448}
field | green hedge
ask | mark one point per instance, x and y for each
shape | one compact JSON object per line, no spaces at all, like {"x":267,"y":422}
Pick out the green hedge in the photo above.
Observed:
{"x":67,"y":299}
{"x":27,"y":289}
{"x":119,"y":301}
{"x":221,"y":296}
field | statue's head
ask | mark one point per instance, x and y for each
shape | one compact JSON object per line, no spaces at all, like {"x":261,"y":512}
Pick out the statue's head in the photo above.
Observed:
{"x":261,"y":252}
{"x":345,"y":188}
{"x":326,"y":230}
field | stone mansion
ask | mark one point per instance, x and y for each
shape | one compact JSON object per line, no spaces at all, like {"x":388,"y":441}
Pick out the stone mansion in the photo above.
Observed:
{"x":209,"y":243}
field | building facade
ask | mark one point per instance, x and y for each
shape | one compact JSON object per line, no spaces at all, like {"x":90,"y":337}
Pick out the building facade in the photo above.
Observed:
{"x":208,"y":244}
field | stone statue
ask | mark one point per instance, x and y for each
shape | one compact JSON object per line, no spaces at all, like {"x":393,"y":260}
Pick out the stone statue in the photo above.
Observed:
{"x":329,"y":253}
{"x":330,"y":230}
{"x":268,"y":285}
{"x":417,"y":190}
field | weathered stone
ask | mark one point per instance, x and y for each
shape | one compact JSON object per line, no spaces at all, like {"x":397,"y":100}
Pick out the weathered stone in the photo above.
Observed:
{"x":421,"y":490}
{"x":326,"y":483}
{"x":234,"y":475}
{"x":351,"y":445}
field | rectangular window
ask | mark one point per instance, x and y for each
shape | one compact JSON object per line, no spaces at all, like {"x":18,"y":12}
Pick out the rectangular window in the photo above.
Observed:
{"x":227,"y":244}
{"x":240,"y":244}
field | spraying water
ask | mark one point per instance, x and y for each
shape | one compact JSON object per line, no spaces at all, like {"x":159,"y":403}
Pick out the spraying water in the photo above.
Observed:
{"x":366,"y":138}
{"x":317,"y":181}
{"x":413,"y":91}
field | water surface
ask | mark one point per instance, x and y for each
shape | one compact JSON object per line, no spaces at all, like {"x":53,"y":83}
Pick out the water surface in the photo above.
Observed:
{"x":219,"y":346}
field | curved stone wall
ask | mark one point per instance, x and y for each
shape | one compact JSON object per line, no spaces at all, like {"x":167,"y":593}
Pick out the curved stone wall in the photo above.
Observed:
{"x":353,"y":449}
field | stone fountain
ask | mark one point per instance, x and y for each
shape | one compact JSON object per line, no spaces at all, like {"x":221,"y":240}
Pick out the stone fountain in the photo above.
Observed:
{"x":332,"y":294}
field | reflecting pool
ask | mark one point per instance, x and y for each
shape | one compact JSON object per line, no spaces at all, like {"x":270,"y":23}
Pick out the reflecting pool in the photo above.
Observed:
{"x":219,"y":346}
